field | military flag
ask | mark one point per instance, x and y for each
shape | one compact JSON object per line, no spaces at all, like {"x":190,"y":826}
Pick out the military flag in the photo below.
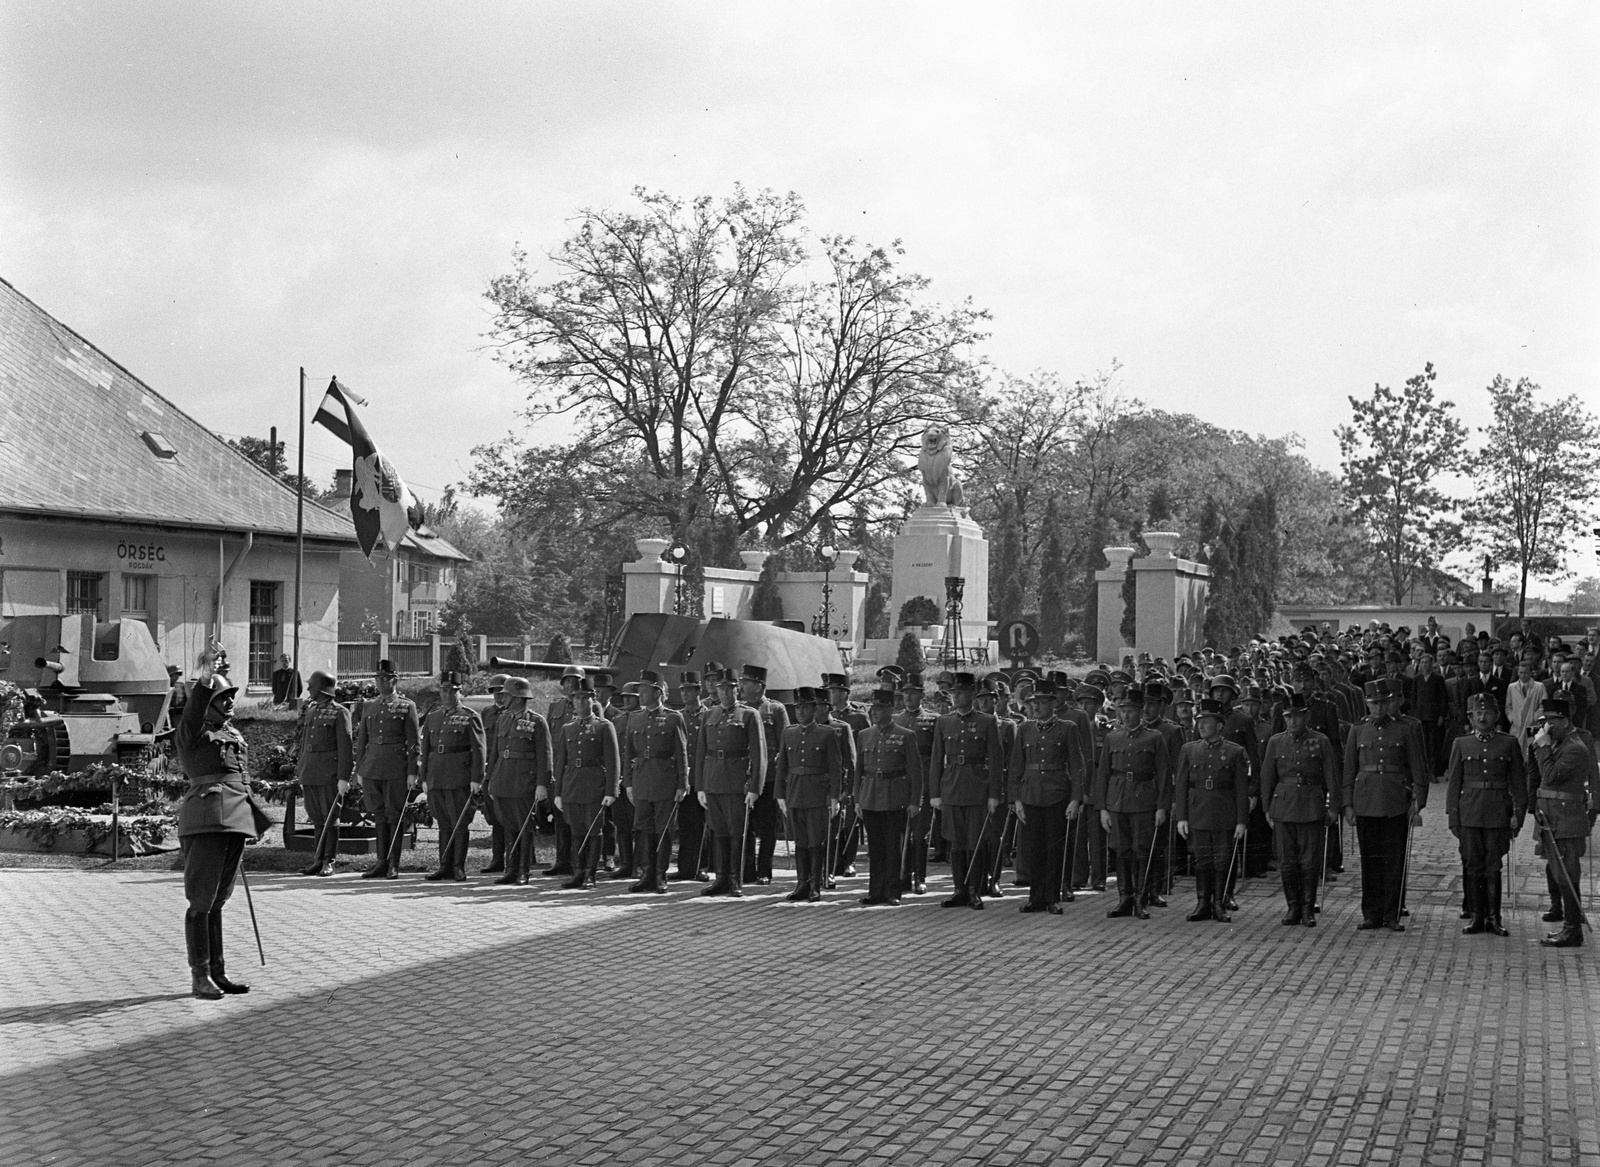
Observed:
{"x":381,"y":506}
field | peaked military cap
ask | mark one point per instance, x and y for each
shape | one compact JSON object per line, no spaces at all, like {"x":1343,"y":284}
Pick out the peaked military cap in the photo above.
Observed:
{"x":883,"y":697}
{"x":912,"y":681}
{"x":1209,"y":708}
{"x":961,"y":680}
{"x":450,"y":677}
{"x":1046,"y":689}
{"x":688,"y":678}
{"x":1484,"y":702}
{"x":1376,"y":690}
{"x":648,"y":677}
{"x":1554,"y":707}
{"x":604,"y":680}
{"x":386,"y":668}
{"x":807,"y":695}
{"x":1296,"y":703}
{"x":753,"y":673}
{"x":1088,"y":692}
{"x":836,"y":681}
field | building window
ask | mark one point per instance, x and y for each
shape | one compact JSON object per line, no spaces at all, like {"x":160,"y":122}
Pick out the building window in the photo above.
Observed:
{"x":264,"y":630}
{"x":419,"y":624}
{"x":136,"y":591}
{"x":86,"y":593}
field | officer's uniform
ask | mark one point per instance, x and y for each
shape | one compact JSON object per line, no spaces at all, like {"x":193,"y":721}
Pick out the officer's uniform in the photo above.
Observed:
{"x":493,"y":717}
{"x":1567,"y":796}
{"x":1048,"y":771}
{"x":807,"y":776}
{"x":562,"y":710}
{"x":691,"y":815}
{"x":214,"y":821}
{"x":888,"y":783}
{"x":655,"y":762}
{"x":385,"y":759}
{"x":325,"y":761}
{"x":967,"y":769}
{"x":522,"y":766}
{"x":1132,"y":781}
{"x":1162,"y":867}
{"x":1299,"y":786}
{"x":919,"y":814}
{"x":1485,"y":792}
{"x":588,"y":769}
{"x":453,"y":757}
{"x":1384,"y":771}
{"x":730,"y":762}
{"x":619,"y":815}
{"x":993,"y":840}
{"x":762,"y":839}
{"x":1212,"y":794}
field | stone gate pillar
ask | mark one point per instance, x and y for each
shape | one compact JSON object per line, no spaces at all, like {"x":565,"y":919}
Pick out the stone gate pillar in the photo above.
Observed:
{"x":1170,"y":599}
{"x":1108,"y":646}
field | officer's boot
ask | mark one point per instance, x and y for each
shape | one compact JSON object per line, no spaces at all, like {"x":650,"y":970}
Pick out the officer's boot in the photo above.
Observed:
{"x":960,"y":862}
{"x":497,"y":844}
{"x":1478,"y":897}
{"x":443,"y":870}
{"x":1219,"y":899}
{"x":1202,"y":898}
{"x":1571,"y":933}
{"x":581,"y":875}
{"x":735,"y":871}
{"x":1124,"y":892}
{"x":1308,"y":898}
{"x":1493,"y":925}
{"x":1136,"y":874}
{"x":380,"y":868}
{"x":637,"y":849}
{"x":1555,"y":914}
{"x":219,"y":972}
{"x":510,"y":866}
{"x":659,"y":858}
{"x":818,"y":860}
{"x":198,"y":940}
{"x":802,"y":867}
{"x":1468,"y":890}
{"x":715,"y":887}
{"x":1291,"y":893}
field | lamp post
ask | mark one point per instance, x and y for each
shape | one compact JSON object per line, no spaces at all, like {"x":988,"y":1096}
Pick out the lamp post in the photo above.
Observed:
{"x":615,"y":590}
{"x":951,"y":653}
{"x":676,"y":554}
{"x":822,"y":622}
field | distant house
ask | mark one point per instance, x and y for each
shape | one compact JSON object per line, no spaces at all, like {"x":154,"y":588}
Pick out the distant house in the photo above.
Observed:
{"x":116,"y":502}
{"x":398,"y":593}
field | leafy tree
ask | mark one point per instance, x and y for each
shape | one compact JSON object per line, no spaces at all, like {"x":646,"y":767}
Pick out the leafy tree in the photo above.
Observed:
{"x":1008,"y":570}
{"x":910,"y":656}
{"x":1244,"y":561}
{"x":1395,"y":453}
{"x":559,"y":651}
{"x":274,"y":461}
{"x":1053,"y":584}
{"x":766,"y":601}
{"x":1535,"y":478}
{"x":876,"y":615}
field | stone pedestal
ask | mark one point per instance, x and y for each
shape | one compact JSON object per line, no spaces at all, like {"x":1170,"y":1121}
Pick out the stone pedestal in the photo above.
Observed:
{"x":1109,"y":608}
{"x":1170,"y":603}
{"x":935,"y":542}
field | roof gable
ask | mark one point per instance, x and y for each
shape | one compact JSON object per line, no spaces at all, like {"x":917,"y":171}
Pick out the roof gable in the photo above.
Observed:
{"x":82,"y":437}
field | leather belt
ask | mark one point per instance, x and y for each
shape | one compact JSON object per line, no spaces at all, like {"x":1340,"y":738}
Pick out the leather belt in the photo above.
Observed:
{"x":1316,"y":782}
{"x":462,"y":750}
{"x":727,"y":754}
{"x":660,"y":754}
{"x":1557,"y":795}
{"x":1047,"y":769}
{"x":888,"y":774}
{"x":1211,"y":784}
{"x":1486,"y":786}
{"x":519,"y":754}
{"x":807,"y":773}
{"x":1385,"y":770}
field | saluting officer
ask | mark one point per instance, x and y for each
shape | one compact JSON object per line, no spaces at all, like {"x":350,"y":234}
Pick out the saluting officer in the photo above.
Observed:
{"x":453,"y":757}
{"x":588,"y":769}
{"x":762,"y":839}
{"x":386,"y":762}
{"x":731,"y":763}
{"x":562,"y":710}
{"x":1384,"y":790}
{"x":1300,"y":791}
{"x":1567,"y":802}
{"x":888,"y":784}
{"x":218,"y":814}
{"x":806,"y":784}
{"x":1485,"y":801}
{"x":1049,"y":783}
{"x":1132,"y":789}
{"x":691,"y":815}
{"x":919,"y":818}
{"x":967,"y":778}
{"x":1212,"y":802}
{"x":521,"y":776}
{"x":324,"y":766}
{"x":655,"y":767}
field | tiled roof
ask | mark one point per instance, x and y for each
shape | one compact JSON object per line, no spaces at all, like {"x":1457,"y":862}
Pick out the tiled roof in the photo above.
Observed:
{"x":423,"y":539}
{"x":72,"y":443}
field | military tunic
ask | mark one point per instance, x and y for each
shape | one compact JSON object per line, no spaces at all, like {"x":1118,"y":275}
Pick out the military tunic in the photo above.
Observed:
{"x":1567,"y":796}
{"x":919,"y":816}
{"x":385,"y":750}
{"x":851,"y":720}
{"x":730,"y":762}
{"x":1384,"y":770}
{"x":656,"y":762}
{"x":325,"y":761}
{"x":808,"y":775}
{"x":588,"y":770}
{"x":888,"y":784}
{"x":967,"y":769}
{"x":217,"y":814}
{"x":522,"y":765}
{"x":1212,"y":794}
{"x":1048,"y":772}
{"x":691,"y":815}
{"x":1300,"y":789}
{"x":1133,"y":781}
{"x":452,"y":759}
{"x":762,"y":840}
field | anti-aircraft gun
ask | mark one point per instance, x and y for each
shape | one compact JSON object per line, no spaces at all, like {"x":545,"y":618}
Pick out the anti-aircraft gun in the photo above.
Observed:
{"x":93,"y":691}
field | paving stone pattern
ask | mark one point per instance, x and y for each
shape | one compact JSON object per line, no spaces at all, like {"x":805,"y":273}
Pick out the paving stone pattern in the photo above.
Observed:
{"x":453,"y":1024}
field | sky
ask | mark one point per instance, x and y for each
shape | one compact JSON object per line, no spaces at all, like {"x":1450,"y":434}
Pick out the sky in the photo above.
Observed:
{"x":1256,"y":209}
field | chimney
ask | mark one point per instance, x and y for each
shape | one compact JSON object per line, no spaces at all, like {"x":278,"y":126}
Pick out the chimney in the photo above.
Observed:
{"x":341,"y":484}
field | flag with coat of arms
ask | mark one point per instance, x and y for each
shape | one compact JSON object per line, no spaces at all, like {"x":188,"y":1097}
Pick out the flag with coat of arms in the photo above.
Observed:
{"x":381,"y":506}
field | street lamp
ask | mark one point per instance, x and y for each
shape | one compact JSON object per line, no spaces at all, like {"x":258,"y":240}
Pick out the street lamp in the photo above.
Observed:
{"x":677,"y":553}
{"x":822,"y":622}
{"x":616,"y":588}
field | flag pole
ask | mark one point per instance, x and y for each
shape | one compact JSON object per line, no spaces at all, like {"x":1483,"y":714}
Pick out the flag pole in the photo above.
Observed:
{"x":299,"y":521}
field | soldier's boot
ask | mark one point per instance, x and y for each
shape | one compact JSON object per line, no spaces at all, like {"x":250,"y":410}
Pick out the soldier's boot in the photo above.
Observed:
{"x":802,"y":870}
{"x":1468,"y":893}
{"x":219,"y":971}
{"x":819,"y":860}
{"x":960,"y":861}
{"x":1124,"y":893}
{"x":1478,"y":896}
{"x":719,"y":885}
{"x":658,"y":864}
{"x":442,"y":872}
{"x":1291,"y":894}
{"x":735,"y":868}
{"x":1570,"y":936}
{"x":1308,"y":898}
{"x":1493,"y":925}
{"x":198,"y":941}
{"x":764,"y":853}
{"x":381,"y":843}
{"x":1219,"y":899}
{"x":497,"y":852}
{"x":647,"y":875}
{"x":582,"y":877}
{"x":1202,"y":898}
{"x":1135,"y":875}
{"x":509,"y":869}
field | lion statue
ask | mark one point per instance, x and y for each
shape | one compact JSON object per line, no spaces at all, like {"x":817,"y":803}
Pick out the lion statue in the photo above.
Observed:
{"x":939,"y":482}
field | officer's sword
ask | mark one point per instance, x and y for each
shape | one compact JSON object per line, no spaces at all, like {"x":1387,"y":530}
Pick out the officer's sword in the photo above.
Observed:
{"x":1066,"y":859}
{"x":1144,"y":886}
{"x":461,"y":820}
{"x":577,"y":855}
{"x":1561,"y":866}
{"x":326,"y":823}
{"x":1232,"y":853}
{"x":399,"y":828}
{"x":1000,"y":847}
{"x":533,"y":810}
{"x":666,"y":839}
{"x":251,"y":904}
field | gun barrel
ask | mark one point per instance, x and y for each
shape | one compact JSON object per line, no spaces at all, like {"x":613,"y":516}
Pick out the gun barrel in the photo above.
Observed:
{"x":54,"y":666}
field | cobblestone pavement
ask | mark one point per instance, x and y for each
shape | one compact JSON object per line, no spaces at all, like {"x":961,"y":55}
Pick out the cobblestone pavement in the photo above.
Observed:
{"x":454,"y":1024}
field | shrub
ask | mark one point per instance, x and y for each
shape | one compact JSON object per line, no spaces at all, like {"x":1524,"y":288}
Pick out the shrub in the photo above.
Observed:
{"x":920,"y":610}
{"x":909,"y":657}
